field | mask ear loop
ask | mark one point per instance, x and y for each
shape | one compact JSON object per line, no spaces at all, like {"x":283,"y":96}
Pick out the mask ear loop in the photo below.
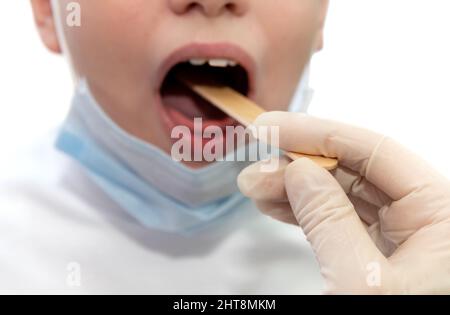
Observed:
{"x":303,"y":95}
{"x":59,"y":26}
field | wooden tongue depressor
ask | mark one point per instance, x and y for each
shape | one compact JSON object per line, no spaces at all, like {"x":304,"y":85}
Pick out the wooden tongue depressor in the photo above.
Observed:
{"x":244,"y":111}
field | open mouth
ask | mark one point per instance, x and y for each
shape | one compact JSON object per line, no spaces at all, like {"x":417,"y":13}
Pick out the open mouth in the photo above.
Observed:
{"x":183,"y":105}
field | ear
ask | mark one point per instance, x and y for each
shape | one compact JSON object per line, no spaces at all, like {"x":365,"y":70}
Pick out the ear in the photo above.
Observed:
{"x":43,"y":16}
{"x":323,"y":10}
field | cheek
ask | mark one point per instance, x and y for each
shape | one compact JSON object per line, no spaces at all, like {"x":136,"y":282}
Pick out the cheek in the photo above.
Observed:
{"x":113,"y":38}
{"x":290,"y":38}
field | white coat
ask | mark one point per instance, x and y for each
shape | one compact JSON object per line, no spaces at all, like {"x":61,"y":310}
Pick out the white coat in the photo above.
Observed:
{"x":59,"y":233}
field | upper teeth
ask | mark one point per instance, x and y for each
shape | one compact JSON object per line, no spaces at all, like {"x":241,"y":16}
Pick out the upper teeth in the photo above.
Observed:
{"x":221,"y":63}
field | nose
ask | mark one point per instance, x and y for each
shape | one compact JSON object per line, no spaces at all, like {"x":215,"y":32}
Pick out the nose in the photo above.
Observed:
{"x":210,"y":8}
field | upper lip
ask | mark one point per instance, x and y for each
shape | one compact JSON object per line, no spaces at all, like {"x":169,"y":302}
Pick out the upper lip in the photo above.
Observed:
{"x":209,"y":51}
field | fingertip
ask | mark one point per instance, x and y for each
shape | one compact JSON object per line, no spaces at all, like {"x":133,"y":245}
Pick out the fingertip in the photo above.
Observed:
{"x":257,"y":182}
{"x":244,"y":182}
{"x":300,"y":164}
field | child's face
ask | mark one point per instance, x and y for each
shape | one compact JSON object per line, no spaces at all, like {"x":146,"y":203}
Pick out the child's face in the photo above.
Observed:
{"x":123,"y":47}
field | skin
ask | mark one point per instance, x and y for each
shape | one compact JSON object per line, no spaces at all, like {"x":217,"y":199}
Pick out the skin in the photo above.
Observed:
{"x":121,"y":44}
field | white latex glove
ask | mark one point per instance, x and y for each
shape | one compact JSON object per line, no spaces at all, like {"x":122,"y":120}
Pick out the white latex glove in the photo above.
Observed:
{"x":380,"y":223}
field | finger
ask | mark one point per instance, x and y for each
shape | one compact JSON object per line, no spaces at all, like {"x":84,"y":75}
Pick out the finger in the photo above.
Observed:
{"x":268,"y":191}
{"x":269,"y":186}
{"x":257,"y":184}
{"x":383,"y":244}
{"x":367,"y":212}
{"x":399,"y":172}
{"x":306,"y":134}
{"x":424,"y":259}
{"x":357,"y":186}
{"x":280,"y":211}
{"x":421,"y":208}
{"x":342,"y":245}
{"x":384,"y":163}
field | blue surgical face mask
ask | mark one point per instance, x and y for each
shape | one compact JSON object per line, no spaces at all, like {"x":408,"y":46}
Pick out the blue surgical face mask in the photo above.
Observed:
{"x":159,"y":192}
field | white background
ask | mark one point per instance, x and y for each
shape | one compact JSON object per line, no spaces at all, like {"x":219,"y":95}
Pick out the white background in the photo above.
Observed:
{"x":385,"y":66}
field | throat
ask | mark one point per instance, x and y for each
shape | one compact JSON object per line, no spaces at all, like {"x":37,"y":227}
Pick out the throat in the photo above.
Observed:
{"x":184,"y":105}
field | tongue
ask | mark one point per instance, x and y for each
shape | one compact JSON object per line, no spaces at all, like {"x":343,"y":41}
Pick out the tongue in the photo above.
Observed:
{"x":178,"y":97}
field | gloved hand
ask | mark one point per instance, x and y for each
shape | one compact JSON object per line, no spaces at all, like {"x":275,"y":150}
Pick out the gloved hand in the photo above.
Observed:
{"x":380,"y":223}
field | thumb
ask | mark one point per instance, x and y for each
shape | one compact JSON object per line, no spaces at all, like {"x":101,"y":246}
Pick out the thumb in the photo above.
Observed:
{"x":350,"y":261}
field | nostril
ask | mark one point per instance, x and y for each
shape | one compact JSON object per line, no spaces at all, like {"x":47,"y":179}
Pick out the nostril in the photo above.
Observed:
{"x":234,"y":8}
{"x":230,"y":7}
{"x":192,"y":6}
{"x":184,"y":6}
{"x":210,"y":8}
